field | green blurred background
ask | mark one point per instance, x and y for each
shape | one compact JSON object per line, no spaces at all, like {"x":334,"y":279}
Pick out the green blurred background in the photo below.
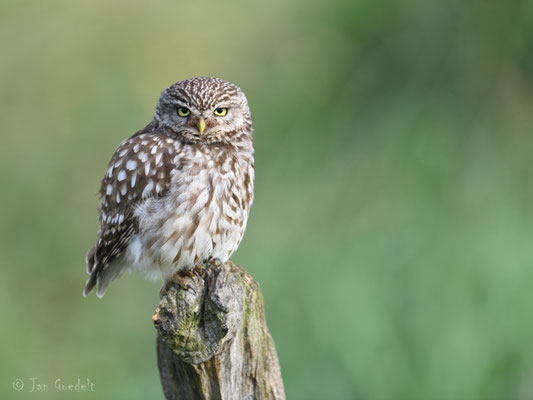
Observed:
{"x":392,"y":229}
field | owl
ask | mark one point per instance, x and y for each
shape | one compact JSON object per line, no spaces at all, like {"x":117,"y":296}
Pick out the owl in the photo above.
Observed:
{"x":177,"y":193}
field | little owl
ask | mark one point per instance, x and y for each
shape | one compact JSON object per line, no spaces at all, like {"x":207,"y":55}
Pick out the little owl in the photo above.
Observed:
{"x":177,"y":193}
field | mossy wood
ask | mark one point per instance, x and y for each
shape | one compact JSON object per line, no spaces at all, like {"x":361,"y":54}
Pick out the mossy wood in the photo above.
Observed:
{"x":213,"y":342}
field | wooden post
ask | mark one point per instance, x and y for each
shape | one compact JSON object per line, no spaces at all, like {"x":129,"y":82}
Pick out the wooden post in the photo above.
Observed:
{"x":213,"y":342}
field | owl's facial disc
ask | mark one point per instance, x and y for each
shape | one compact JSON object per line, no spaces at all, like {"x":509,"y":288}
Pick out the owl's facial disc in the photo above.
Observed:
{"x":204,"y":110}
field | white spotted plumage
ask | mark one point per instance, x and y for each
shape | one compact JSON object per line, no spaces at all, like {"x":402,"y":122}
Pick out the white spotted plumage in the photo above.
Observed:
{"x":173,"y":198}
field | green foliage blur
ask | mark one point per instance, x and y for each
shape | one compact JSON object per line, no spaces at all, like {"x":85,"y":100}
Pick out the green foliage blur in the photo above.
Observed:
{"x":392,"y":232}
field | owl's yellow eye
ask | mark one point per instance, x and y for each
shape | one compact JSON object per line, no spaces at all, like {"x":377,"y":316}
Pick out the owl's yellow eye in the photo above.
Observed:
{"x":184,"y":112}
{"x":221,"y":111}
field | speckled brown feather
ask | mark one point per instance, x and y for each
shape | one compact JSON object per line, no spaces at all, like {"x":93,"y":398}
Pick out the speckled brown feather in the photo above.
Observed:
{"x":139,"y":169}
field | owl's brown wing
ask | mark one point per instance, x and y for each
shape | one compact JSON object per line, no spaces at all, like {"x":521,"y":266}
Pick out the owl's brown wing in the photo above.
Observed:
{"x":139,"y":169}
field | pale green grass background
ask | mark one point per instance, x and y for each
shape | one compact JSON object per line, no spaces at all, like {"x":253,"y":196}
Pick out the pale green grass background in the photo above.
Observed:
{"x":392,"y":232}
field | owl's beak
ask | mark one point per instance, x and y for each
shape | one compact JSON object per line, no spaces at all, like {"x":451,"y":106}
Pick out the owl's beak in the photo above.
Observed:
{"x":201,"y":126}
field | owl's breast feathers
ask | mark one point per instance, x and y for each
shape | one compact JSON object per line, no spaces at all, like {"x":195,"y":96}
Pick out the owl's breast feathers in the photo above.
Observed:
{"x":160,"y":193}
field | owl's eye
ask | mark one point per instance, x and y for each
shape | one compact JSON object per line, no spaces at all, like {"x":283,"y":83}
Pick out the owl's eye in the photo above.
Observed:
{"x":184,"y":112}
{"x":221,"y":111}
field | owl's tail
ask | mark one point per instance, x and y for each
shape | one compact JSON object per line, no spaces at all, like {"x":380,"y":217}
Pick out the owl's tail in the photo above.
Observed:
{"x":100,"y":275}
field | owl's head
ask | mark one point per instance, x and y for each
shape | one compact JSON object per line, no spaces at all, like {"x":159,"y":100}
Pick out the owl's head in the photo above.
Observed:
{"x":204,"y":110}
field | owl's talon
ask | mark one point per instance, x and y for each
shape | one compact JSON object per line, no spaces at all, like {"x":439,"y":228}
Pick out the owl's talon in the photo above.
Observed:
{"x":184,"y":285}
{"x":189,"y":287}
{"x":197,"y":273}
{"x":181,"y":279}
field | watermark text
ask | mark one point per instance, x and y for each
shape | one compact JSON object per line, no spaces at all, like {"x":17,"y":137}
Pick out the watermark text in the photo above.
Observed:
{"x":35,"y":384}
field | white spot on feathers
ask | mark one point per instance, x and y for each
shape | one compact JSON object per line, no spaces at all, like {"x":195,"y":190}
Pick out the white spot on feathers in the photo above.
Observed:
{"x":131,"y":165}
{"x":121,"y":175}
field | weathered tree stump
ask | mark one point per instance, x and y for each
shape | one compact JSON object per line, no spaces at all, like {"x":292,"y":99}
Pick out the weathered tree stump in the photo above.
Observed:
{"x":213,"y":342}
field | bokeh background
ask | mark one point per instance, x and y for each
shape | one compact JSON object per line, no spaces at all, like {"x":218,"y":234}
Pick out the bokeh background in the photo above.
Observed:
{"x":392,"y":231}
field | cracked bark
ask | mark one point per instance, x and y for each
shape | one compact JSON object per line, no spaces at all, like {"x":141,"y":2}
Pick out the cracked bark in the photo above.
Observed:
{"x":213,"y":342}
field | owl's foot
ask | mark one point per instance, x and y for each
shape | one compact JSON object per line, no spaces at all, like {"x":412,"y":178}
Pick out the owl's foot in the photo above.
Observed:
{"x":182,"y":279}
{"x":189,"y":278}
{"x":215,"y":262}
{"x":199,"y":270}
